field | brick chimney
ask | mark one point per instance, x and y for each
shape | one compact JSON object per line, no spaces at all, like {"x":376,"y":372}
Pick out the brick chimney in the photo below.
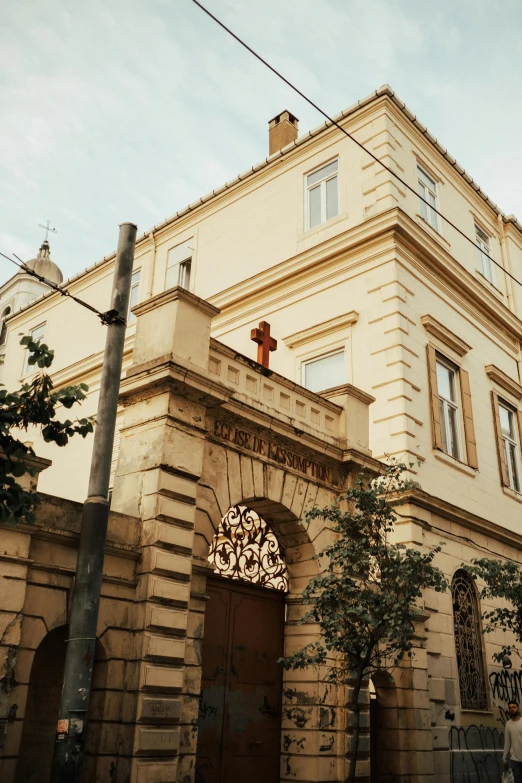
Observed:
{"x":282,"y":130}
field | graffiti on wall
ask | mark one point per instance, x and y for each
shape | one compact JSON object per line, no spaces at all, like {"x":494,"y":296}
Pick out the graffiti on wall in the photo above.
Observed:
{"x":476,"y":754}
{"x":476,"y":751}
{"x":506,"y":686}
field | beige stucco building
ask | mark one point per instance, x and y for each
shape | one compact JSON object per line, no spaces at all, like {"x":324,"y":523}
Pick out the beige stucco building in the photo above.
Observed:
{"x":371,"y":295}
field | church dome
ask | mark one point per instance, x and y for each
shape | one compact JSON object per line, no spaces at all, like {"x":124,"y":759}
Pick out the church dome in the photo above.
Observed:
{"x":43,"y":265}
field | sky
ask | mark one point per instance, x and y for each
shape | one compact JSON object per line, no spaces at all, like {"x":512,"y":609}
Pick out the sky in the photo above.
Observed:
{"x":128,"y":110}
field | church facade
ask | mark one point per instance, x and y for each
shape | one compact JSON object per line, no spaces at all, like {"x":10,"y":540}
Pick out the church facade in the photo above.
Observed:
{"x":377,"y":305}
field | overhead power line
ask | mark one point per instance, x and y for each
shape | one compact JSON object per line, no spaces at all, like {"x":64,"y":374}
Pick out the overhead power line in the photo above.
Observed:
{"x":349,"y":135}
{"x":109,"y":317}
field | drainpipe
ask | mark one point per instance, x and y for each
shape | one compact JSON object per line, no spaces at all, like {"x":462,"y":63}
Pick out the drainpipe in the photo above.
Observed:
{"x":512,"y":299}
{"x":506,"y":263}
{"x":150,"y":277}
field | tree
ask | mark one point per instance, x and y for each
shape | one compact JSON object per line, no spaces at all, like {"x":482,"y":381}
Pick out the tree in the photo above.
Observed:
{"x":35,"y":403}
{"x":503,"y":579}
{"x":364,"y":599}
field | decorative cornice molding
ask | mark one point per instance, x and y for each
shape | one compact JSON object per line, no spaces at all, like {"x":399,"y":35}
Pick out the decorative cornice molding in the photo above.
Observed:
{"x":172,"y":295}
{"x":321,"y":330}
{"x":501,"y":379}
{"x":459,"y":515}
{"x":351,"y":391}
{"x":445,"y":335}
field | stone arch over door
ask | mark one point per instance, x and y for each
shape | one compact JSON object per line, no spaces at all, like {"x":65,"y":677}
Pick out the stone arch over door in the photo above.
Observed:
{"x":312,"y":714}
{"x":42,"y":705}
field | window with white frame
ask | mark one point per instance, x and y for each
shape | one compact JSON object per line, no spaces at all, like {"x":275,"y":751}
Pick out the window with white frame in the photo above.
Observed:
{"x":428,"y":193}
{"x":322,"y":194}
{"x":179,"y":264}
{"x":447,"y":385}
{"x":509,"y":433}
{"x":484,"y":254}
{"x":37,"y":334}
{"x":134,"y":294}
{"x":324,"y":372}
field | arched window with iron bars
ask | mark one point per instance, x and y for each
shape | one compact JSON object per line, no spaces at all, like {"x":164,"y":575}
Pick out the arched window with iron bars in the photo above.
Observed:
{"x":468,"y":643}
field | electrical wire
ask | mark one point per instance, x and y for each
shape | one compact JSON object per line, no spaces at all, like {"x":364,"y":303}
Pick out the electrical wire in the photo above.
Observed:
{"x":109,"y":317}
{"x":349,"y":135}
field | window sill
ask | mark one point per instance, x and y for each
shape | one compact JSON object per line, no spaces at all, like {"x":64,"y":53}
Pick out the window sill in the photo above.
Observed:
{"x":512,"y":493}
{"x":310,"y":232}
{"x":489,"y":285}
{"x":467,"y":711}
{"x":432,"y":232}
{"x":455,"y":463}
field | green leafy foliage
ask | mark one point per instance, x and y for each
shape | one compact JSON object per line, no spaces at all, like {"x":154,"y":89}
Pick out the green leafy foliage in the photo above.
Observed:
{"x":34,"y":404}
{"x":503,"y":579}
{"x":364,"y":599}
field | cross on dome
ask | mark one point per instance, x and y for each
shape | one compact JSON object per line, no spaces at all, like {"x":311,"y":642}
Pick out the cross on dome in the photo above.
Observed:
{"x":47,"y":229}
{"x":265,"y":343}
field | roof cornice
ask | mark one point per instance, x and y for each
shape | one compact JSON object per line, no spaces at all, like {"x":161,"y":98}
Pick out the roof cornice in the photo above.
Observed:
{"x":383,"y":93}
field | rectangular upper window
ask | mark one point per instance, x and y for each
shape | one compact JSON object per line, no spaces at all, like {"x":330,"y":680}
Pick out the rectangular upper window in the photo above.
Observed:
{"x":452,"y":423}
{"x":484,"y":254}
{"x":428,"y":193}
{"x":37,"y":335}
{"x":510,"y":441}
{"x":448,"y":409}
{"x":179,"y":263}
{"x":322,"y":194}
{"x":134,"y":294}
{"x":324,"y":372}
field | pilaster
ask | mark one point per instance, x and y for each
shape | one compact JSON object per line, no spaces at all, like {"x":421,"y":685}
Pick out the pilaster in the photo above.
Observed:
{"x":161,"y":459}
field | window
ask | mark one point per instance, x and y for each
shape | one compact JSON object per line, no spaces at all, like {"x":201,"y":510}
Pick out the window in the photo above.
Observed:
{"x":37,"y":335}
{"x":470,"y":661}
{"x":451,"y":409}
{"x":322,"y":194}
{"x":325,"y":372}
{"x":448,"y":409}
{"x":134,"y":294}
{"x":508,"y":442}
{"x":179,"y":262}
{"x":244,"y":547}
{"x":428,"y":191}
{"x":484,"y":254}
{"x":3,"y":328}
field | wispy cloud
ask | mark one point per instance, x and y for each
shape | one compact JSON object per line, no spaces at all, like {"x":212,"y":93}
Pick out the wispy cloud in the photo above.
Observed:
{"x":129,"y":110}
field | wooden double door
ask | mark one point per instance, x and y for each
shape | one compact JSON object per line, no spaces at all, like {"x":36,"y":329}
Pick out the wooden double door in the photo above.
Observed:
{"x":239,"y":729}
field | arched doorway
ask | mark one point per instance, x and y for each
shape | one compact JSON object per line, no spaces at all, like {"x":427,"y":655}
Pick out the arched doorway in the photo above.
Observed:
{"x":385,"y":744}
{"x":42,"y":706}
{"x":239,"y":725}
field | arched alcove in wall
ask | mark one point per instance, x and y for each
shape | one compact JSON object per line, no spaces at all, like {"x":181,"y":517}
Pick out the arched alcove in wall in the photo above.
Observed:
{"x":385,"y":740}
{"x":42,"y":706}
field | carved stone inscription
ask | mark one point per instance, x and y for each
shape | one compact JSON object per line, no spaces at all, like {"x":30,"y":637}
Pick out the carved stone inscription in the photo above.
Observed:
{"x":273,"y":451}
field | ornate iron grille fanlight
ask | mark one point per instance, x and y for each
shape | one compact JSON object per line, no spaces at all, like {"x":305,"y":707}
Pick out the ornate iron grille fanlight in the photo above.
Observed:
{"x":245,"y":548}
{"x":470,"y":661}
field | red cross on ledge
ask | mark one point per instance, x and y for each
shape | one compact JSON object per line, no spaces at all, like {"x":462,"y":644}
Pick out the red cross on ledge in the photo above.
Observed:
{"x":265,"y":343}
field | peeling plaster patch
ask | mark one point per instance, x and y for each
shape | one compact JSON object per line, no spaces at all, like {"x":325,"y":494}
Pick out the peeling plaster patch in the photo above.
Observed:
{"x":326,"y":717}
{"x":325,"y":748}
{"x":288,"y":741}
{"x":301,"y":697}
{"x":298,"y":716}
{"x":288,"y":769}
